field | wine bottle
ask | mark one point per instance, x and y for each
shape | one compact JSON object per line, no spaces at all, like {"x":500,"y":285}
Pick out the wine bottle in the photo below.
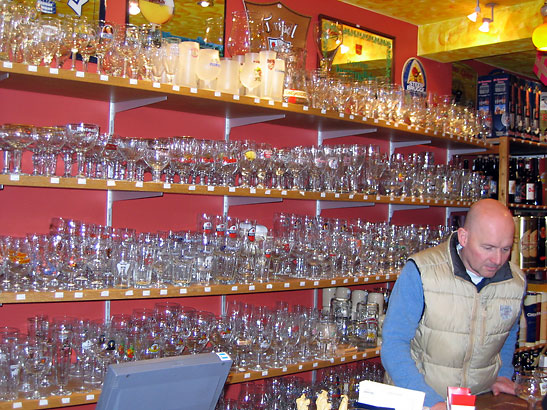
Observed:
{"x":512,"y":183}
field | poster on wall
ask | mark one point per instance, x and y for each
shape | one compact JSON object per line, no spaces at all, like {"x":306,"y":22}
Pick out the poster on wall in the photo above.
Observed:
{"x":201,"y":21}
{"x":93,"y":10}
{"x":285,"y":28}
{"x":464,"y":84}
{"x":413,"y":77}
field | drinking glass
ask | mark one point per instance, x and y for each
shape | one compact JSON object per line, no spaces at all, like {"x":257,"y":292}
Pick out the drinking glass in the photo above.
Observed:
{"x":18,"y":138}
{"x":37,"y":363}
{"x":81,"y":137}
{"x":329,"y":37}
{"x":62,"y":355}
{"x":170,"y":47}
{"x":250,"y":74}
{"x":128,"y":45}
{"x":156,"y":156}
{"x":528,"y":387}
{"x":132,"y":149}
{"x":208,"y":66}
{"x":104,"y":42}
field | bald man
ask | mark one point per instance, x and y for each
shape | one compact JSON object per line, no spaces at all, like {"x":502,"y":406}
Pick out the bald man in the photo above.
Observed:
{"x":453,"y":313}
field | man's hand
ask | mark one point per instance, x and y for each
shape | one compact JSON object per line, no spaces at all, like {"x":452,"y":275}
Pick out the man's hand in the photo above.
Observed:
{"x":439,"y":406}
{"x":503,"y":385}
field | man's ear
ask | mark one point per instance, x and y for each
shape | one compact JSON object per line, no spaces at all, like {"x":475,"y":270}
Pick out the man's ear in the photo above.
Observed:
{"x":462,"y":236}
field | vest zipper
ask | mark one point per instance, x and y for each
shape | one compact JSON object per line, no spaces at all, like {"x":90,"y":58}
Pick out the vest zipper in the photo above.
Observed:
{"x":473,"y":331}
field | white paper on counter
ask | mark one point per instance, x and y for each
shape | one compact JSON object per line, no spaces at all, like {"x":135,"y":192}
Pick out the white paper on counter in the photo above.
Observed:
{"x":385,"y":395}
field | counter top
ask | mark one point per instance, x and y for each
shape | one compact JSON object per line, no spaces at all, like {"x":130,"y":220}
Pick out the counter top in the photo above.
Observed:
{"x":488,"y":401}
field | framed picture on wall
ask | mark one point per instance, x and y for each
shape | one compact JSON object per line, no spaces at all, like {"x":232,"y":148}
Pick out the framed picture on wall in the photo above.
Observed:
{"x":201,"y":21}
{"x":346,"y":47}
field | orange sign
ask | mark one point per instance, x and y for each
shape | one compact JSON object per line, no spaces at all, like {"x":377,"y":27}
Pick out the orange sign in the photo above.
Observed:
{"x":282,"y":24}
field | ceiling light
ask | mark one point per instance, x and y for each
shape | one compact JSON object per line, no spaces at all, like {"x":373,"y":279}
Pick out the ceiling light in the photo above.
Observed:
{"x":539,"y":36}
{"x":475,"y":15}
{"x":206,"y":3}
{"x":134,"y":7}
{"x":485,"y":26}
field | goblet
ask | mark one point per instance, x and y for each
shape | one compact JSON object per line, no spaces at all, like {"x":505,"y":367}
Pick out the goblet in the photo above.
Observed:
{"x":81,"y":137}
{"x":104,"y":42}
{"x":18,"y":138}
{"x":132,"y":149}
{"x":170,"y":49}
{"x":528,"y":387}
{"x":156,"y":156}
{"x":208,"y":66}
{"x":37,"y":362}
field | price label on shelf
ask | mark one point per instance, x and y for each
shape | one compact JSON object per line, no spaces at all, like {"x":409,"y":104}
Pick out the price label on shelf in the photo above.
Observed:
{"x":103,"y":77}
{"x":133,"y":81}
{"x":183,"y":291}
{"x":59,"y":295}
{"x":78,"y":295}
{"x":54,"y":71}
{"x":32,"y":68}
{"x":146,"y":293}
{"x":43,"y":402}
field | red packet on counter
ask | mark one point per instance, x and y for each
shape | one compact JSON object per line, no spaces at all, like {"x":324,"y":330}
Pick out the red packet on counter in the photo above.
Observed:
{"x":460,"y":398}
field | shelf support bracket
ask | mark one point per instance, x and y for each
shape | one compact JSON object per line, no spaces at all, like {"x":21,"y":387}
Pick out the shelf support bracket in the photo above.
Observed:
{"x":340,"y":204}
{"x":462,"y":151}
{"x":129,"y":195}
{"x":4,"y":76}
{"x":116,"y":107}
{"x":327,"y":135}
{"x":398,"y":207}
{"x":242,"y":200}
{"x":401,"y":144}
{"x":240,"y":121}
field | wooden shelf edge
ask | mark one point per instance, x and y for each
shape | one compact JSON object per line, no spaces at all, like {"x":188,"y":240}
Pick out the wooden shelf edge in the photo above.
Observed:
{"x":269,"y":106}
{"x":190,"y":189}
{"x":233,"y":378}
{"x":194,"y":290}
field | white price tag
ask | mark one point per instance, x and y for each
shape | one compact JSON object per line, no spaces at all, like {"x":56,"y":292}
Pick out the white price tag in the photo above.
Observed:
{"x":65,"y":400}
{"x":300,"y":367}
{"x":351,"y":117}
{"x":129,"y":293}
{"x":207,"y":289}
{"x":194,"y":90}
{"x":252,"y":190}
{"x":302,"y":283}
{"x":17,"y":405}
{"x":43,"y":402}
{"x":323,"y":111}
{"x":283,"y":192}
{"x":268,"y":192}
{"x":217,"y":93}
{"x":103,"y":77}
{"x":354,"y":357}
{"x":110,"y":182}
{"x":236,"y":97}
{"x":54,"y":180}
{"x":337,"y":195}
{"x":146,"y":293}
{"x":333,"y":282}
{"x":264,"y":372}
{"x":234,"y":288}
{"x":166,"y":185}
{"x":211,"y":188}
{"x":342,"y":359}
{"x":176,"y":88}
{"x":32,"y":68}
{"x":105,"y":293}
{"x":59,"y":295}
{"x":231,"y":189}
{"x":387,"y":276}
{"x":252,"y":287}
{"x":14,"y":177}
{"x":378,"y":197}
{"x":192,"y":188}
{"x":377,"y":277}
{"x":80,"y":74}
{"x":156,"y":84}
{"x":342,"y":115}
{"x":78,"y":295}
{"x":247,"y":376}
{"x":8,"y":64}
{"x":163,"y":292}
{"x":365,"y":197}
{"x":133,"y":81}
{"x":20,"y":296}
{"x":269,"y":286}
{"x":286,"y":285}
{"x":346,"y":280}
{"x":284,"y":105}
{"x":82,"y":181}
{"x":139,"y":184}
{"x":323,"y":195}
{"x":256,"y":100}
{"x":90,"y":397}
{"x":284,"y":369}
{"x":316,"y":283}
{"x":54,"y":71}
{"x":305,"y":108}
{"x":183,"y":291}
{"x":315,"y":364}
{"x":366,"y":278}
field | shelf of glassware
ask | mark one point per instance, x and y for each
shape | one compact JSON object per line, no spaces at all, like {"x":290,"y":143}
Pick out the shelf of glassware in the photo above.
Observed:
{"x":234,"y":377}
{"x":63,"y":295}
{"x":176,"y":188}
{"x":208,"y":102}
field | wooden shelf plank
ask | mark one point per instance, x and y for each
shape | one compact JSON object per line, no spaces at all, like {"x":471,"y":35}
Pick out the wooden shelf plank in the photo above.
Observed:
{"x":194,"y":290}
{"x":190,"y":189}
{"x":118,"y":90}
{"x":233,"y":378}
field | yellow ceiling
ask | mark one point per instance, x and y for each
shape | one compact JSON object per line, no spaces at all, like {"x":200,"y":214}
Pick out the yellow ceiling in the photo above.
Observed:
{"x":446,"y":35}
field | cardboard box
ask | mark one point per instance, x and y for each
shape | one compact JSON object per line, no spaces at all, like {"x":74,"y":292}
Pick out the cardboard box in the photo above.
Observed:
{"x":484,"y":100}
{"x":501,"y":99}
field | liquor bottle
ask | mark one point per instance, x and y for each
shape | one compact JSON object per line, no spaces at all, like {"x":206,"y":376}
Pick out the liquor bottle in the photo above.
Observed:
{"x":512,"y":183}
{"x":519,"y":179}
{"x":538,"y":188}
{"x":494,"y":176}
{"x":530,"y":187}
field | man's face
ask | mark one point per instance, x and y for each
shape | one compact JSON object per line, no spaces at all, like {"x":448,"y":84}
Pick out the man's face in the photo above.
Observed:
{"x":485,"y":250}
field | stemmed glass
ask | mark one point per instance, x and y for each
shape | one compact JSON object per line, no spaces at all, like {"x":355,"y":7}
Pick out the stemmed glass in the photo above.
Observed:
{"x":261,"y":335}
{"x":132,"y":149}
{"x":37,"y":362}
{"x":62,"y":355}
{"x":329,"y":37}
{"x":528,"y":387}
{"x":81,"y":137}
{"x":18,"y":137}
{"x":326,"y":330}
{"x":87,"y":42}
{"x":156,"y":155}
{"x":208,"y":66}
{"x":104,"y":42}
{"x":170,"y":49}
{"x":128,"y":44}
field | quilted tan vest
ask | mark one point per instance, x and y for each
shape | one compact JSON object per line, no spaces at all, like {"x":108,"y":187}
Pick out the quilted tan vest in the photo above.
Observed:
{"x":462,"y":331}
